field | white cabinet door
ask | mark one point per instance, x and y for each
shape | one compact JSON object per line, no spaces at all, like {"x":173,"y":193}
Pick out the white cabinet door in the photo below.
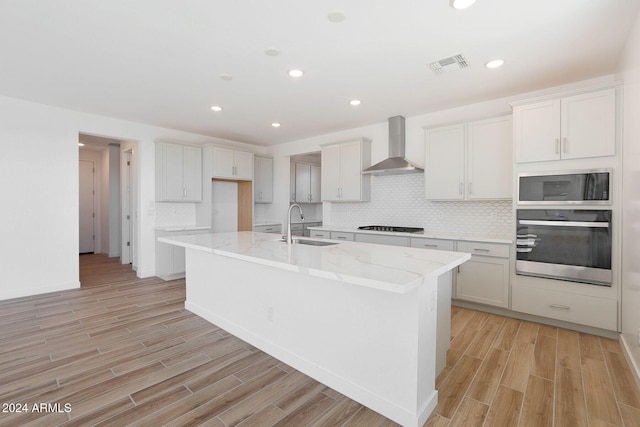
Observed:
{"x":330,"y":173}
{"x":315,"y":184}
{"x":537,"y":131}
{"x":444,"y":163}
{"x":303,"y":181}
{"x":222,"y":162}
{"x":263,"y":182}
{"x":243,"y":162}
{"x":490,"y":159}
{"x":192,"y":163}
{"x":172,"y":169}
{"x":350,"y":171}
{"x":292,"y":182}
{"x":588,"y":125}
{"x":484,"y":280}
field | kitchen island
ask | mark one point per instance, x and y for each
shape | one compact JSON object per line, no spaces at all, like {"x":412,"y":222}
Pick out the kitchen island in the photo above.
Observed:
{"x":370,"y":321}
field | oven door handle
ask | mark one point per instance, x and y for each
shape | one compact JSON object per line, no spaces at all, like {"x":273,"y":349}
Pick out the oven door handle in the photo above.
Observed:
{"x":564,"y":223}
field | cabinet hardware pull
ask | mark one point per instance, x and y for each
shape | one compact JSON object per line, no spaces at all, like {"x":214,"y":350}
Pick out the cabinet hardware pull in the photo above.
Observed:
{"x":341,"y":237}
{"x":460,"y":188}
{"x":470,"y":188}
{"x":428,"y":245}
{"x":557,"y":145}
{"x":562,"y":307}
{"x":564,"y":145}
{"x":481,"y":250}
{"x":269,"y":229}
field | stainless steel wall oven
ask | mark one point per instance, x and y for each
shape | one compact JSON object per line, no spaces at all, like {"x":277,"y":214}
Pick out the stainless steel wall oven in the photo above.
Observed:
{"x":573,"y":245}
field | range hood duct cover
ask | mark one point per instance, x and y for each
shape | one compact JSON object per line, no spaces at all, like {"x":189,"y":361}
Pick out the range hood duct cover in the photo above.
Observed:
{"x":396,"y":163}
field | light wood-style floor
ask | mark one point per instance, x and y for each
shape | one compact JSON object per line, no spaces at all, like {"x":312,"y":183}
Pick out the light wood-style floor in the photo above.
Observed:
{"x":124,"y":351}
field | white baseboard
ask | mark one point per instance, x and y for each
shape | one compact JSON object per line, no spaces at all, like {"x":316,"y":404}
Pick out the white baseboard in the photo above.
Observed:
{"x":27,"y":292}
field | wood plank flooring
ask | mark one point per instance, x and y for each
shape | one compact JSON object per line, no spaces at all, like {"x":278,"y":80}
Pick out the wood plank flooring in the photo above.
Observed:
{"x":124,"y":351}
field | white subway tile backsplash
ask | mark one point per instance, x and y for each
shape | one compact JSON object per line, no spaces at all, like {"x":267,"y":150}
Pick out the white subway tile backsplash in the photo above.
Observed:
{"x":400,"y":200}
{"x":175,"y":213}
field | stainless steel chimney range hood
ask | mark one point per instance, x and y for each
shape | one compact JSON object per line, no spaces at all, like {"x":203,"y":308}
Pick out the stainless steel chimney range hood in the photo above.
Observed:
{"x":396,"y":163}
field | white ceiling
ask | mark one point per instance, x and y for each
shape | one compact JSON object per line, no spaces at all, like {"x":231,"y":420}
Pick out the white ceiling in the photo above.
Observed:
{"x":159,"y":61}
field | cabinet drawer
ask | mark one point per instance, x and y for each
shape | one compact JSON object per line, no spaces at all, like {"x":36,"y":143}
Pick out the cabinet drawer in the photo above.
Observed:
{"x":338,"y":235}
{"x":320,"y":234}
{"x":439,"y":244}
{"x":570,"y":307}
{"x":382,"y":239}
{"x":484,"y":249}
{"x":276,"y":228}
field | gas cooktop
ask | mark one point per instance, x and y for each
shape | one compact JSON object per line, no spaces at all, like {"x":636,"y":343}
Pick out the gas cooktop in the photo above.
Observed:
{"x":391,"y":228}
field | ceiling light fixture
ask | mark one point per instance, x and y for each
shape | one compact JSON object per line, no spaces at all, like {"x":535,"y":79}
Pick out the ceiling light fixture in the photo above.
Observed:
{"x":336,"y":17}
{"x":495,"y":63}
{"x":216,"y":108}
{"x":462,"y":4}
{"x":355,"y":102}
{"x":275,"y":124}
{"x":272,"y":52}
{"x":226,"y":76}
{"x":296,"y":73}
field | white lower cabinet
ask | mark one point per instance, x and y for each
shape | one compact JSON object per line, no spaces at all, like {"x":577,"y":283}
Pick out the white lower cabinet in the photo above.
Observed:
{"x":567,"y":306}
{"x":485,"y":277}
{"x":170,"y":262}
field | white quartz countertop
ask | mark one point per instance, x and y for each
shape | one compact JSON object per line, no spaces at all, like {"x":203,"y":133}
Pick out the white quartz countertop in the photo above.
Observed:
{"x":475,"y":237}
{"x":389,"y":268}
{"x":181,"y":227}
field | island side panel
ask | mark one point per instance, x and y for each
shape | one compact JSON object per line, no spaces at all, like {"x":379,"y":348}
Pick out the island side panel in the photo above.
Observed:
{"x":376,"y":347}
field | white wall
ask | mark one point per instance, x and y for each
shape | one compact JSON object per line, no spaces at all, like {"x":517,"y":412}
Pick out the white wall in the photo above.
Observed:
{"x":39,"y":175}
{"x":630,"y":72}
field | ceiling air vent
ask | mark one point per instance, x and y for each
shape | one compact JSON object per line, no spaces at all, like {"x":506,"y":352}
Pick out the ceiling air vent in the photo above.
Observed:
{"x":451,"y":63}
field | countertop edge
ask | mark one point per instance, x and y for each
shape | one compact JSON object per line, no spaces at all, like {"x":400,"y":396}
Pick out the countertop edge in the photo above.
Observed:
{"x":425,"y":235}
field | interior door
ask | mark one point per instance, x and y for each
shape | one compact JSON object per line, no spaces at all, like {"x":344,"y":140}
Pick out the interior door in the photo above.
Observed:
{"x":87,"y":217}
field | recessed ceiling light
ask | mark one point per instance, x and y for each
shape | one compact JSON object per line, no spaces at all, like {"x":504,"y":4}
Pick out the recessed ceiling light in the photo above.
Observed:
{"x":216,"y":108}
{"x":336,"y":17}
{"x":275,"y":124}
{"x":80,"y":144}
{"x":462,"y":4}
{"x":272,"y":52}
{"x":495,"y":63}
{"x":226,"y":76}
{"x":296,"y":73}
{"x":355,"y":102}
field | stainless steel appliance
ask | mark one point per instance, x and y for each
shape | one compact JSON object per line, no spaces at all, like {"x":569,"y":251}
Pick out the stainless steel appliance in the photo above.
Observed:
{"x":592,"y":187}
{"x":573,"y":245}
{"x":394,"y":229}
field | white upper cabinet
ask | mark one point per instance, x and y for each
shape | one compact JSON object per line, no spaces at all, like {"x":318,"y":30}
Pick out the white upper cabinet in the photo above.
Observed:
{"x":263,"y":180}
{"x":444,"y":163}
{"x":178,"y":172}
{"x":572,"y":127}
{"x":341,"y":170}
{"x":490,"y":159}
{"x":469,"y":161}
{"x":232,"y":164}
{"x":307,"y":183}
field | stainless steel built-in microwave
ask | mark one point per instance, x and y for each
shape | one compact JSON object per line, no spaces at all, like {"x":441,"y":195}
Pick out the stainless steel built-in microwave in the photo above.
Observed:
{"x":591,"y":187}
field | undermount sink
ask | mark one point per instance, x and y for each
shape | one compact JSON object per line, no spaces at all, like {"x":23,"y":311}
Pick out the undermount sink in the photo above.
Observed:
{"x":309,"y":242}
